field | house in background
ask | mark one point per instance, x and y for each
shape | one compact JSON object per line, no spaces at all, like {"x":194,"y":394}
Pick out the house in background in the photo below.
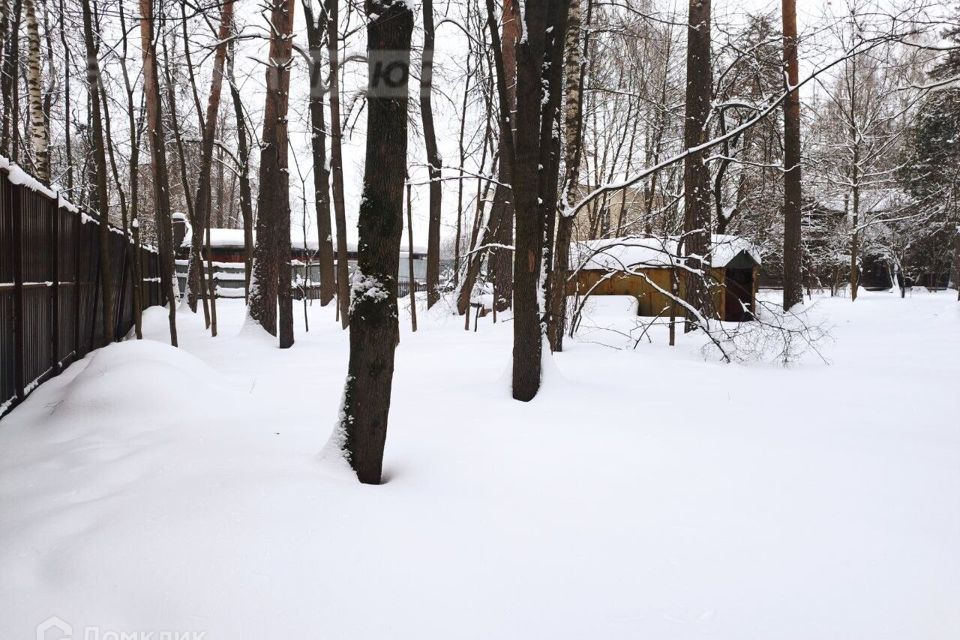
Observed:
{"x":644,"y":267}
{"x":227,"y":253}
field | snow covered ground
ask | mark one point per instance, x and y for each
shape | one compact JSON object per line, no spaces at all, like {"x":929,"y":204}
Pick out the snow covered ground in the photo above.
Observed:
{"x":644,"y":493}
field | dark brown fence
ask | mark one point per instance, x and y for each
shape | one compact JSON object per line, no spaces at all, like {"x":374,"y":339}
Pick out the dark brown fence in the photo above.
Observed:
{"x":50,"y":294}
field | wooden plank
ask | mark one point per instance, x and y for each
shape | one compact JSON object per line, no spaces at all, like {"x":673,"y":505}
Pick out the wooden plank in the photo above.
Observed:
{"x":55,"y":289}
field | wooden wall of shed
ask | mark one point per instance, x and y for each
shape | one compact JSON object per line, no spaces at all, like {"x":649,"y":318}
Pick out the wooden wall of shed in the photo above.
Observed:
{"x":650,"y":302}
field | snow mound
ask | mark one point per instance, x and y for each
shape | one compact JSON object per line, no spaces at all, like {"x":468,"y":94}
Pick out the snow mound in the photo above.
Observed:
{"x":141,"y":377}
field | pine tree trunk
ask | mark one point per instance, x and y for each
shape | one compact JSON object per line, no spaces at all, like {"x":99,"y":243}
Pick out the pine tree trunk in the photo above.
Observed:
{"x":696,"y":177}
{"x":161,"y":187}
{"x":792,"y":189}
{"x":271,"y":264}
{"x":373,"y":322}
{"x":318,"y":139}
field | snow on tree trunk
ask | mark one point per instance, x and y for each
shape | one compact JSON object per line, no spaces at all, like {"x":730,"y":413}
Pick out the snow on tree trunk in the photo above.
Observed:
{"x":373,"y":306}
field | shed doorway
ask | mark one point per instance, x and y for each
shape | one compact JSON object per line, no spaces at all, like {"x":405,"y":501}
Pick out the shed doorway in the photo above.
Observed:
{"x":738,"y":299}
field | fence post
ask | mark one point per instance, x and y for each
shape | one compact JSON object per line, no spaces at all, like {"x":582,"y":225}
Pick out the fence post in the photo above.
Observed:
{"x":121,"y":291}
{"x":16,"y":218}
{"x":55,"y":279}
{"x":77,"y":253}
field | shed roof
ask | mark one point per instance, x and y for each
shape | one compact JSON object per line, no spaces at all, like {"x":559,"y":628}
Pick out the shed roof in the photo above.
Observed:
{"x":611,"y":254}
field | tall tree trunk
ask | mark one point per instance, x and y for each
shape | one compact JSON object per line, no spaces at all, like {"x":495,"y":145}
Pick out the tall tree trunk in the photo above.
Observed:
{"x":696,"y":177}
{"x":434,"y":161}
{"x":271,"y":264}
{"x":100,"y":160}
{"x":68,"y":139}
{"x":201,"y":209}
{"x":498,"y":230}
{"x":161,"y":185}
{"x":8,"y":87}
{"x":534,"y":88}
{"x":575,"y":71}
{"x":318,"y":138}
{"x":39,"y":133}
{"x":792,"y":190}
{"x":373,"y":322}
{"x":502,"y":215}
{"x":336,"y":163}
{"x":243,"y":157}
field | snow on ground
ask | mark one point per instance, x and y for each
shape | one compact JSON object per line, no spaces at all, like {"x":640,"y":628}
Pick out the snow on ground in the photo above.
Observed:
{"x":644,"y":493}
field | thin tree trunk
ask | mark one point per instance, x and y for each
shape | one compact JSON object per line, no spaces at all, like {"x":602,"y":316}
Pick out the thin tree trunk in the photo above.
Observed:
{"x":373,"y":325}
{"x":100,"y":160}
{"x":411,"y":275}
{"x":575,"y":72}
{"x":318,"y":138}
{"x":68,"y":142}
{"x":792,"y":189}
{"x":434,"y":161}
{"x":9,"y":87}
{"x":503,"y":213}
{"x":203,"y":198}
{"x":161,"y":187}
{"x":39,"y":133}
{"x":271,"y":265}
{"x":243,"y":156}
{"x":336,"y":163}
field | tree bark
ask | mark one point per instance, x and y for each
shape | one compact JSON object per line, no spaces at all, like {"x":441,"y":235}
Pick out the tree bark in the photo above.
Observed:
{"x":792,"y":189}
{"x":243,"y":157}
{"x":271,"y":264}
{"x":572,"y":126}
{"x":161,"y":187}
{"x":434,"y":161}
{"x":100,"y":161}
{"x":336,"y":163}
{"x":39,"y":132}
{"x":696,"y":177}
{"x":534,"y":82}
{"x":201,"y":209}
{"x":9,"y":87}
{"x":502,"y":214}
{"x":318,"y":139}
{"x":373,"y":309}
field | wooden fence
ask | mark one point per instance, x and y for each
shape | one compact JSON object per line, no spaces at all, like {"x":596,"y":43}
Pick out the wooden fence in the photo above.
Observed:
{"x":50,"y":294}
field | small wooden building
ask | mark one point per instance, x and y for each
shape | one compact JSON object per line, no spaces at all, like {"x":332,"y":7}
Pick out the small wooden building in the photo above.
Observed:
{"x":644,"y":267}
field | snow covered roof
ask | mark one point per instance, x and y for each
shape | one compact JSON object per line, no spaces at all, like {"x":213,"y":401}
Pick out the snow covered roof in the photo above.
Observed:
{"x":871,"y":200}
{"x":640,"y":251}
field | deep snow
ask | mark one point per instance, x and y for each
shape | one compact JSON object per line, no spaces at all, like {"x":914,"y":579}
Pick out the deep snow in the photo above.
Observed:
{"x":644,"y":493}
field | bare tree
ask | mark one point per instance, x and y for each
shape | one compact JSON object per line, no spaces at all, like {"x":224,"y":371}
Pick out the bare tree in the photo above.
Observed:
{"x":373,"y":308}
{"x":203,"y":198}
{"x":161,"y":188}
{"x":336,"y":163}
{"x":316,"y":30}
{"x":270,"y":285}
{"x":434,"y":162}
{"x":100,"y":160}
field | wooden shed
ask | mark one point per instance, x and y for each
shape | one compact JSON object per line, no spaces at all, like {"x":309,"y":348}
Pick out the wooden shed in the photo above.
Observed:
{"x":644,"y":267}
